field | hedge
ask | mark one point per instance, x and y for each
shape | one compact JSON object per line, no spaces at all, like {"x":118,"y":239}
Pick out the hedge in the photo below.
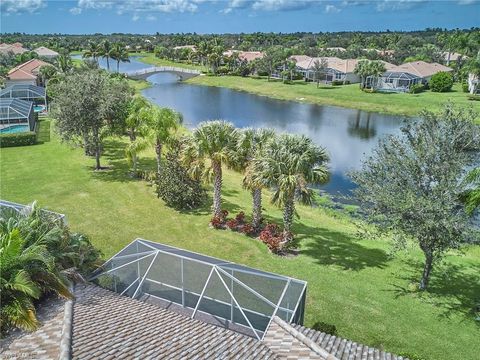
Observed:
{"x":18,"y":139}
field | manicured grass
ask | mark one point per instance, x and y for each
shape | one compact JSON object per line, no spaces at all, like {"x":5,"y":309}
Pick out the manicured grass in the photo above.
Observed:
{"x":346,"y":96}
{"x":353,"y":284}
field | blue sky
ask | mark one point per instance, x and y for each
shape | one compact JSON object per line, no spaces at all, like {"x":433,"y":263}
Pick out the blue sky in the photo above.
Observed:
{"x":220,"y":16}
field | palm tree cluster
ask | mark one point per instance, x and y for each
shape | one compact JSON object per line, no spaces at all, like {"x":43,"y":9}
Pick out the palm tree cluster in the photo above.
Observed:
{"x":366,"y":68}
{"x":116,"y":51}
{"x":38,"y":256}
{"x":287,"y":164}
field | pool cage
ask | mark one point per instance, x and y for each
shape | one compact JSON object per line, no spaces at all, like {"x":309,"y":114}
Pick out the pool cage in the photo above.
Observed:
{"x":205,"y":286}
{"x":16,"y":112}
{"x":36,"y":94}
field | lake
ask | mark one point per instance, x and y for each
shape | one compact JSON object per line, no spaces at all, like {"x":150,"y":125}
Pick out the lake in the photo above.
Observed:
{"x":347,"y":134}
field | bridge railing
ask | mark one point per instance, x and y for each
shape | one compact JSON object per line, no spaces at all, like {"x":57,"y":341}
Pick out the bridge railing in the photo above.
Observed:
{"x":154,"y":69}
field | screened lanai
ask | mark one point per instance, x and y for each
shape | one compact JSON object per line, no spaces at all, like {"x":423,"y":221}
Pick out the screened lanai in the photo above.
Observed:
{"x":203,"y":286}
{"x":393,"y":81}
{"x":16,"y":112}
{"x":32,"y":93}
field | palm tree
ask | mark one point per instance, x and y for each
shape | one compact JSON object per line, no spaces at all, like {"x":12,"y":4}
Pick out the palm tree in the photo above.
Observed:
{"x":366,"y":68}
{"x":162,"y":124}
{"x":288,"y":165}
{"x":215,"y":141}
{"x":319,"y":68}
{"x":106,"y":51}
{"x":26,"y":272}
{"x":137,"y":129}
{"x":64,"y":63}
{"x":120,"y":54}
{"x":250,"y":145}
{"x":93,"y":51}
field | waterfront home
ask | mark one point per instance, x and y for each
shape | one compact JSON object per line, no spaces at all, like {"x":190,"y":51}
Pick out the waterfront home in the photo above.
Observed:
{"x":400,"y":78}
{"x":16,"y":49}
{"x":45,"y":52}
{"x":26,"y":73}
{"x":339,"y":70}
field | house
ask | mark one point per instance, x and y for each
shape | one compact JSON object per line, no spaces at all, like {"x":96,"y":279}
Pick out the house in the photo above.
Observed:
{"x":339,"y":49}
{"x":247,"y":56}
{"x":400,"y":78}
{"x":341,"y":70}
{"x":45,"y":52}
{"x":452,"y":56}
{"x":15,"y":49}
{"x":26,"y":73}
{"x":473,"y":84}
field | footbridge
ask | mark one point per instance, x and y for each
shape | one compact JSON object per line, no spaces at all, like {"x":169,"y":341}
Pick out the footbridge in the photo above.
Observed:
{"x":182,"y":73}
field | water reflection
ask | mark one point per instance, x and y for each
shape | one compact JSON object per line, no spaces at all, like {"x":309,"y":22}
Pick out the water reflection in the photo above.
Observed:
{"x":346,"y":134}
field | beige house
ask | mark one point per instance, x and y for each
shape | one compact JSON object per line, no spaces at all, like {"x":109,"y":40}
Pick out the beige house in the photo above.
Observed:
{"x":245,"y":55}
{"x":400,"y":78}
{"x":337,"y":69}
{"x":26,"y":73}
{"x":45,"y":52}
{"x":15,"y":49}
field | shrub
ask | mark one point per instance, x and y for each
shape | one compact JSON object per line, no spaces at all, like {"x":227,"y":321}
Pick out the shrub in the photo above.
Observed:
{"x":441,"y":82}
{"x":37,"y":256}
{"x":232,"y":224}
{"x":218,"y":222}
{"x":240,"y":217}
{"x":18,"y":139}
{"x":272,"y":237}
{"x":325,"y":327}
{"x":474,"y":97}
{"x":176,"y":187}
{"x":412,"y":356}
{"x":248,"y":229}
{"x":465,"y":87}
{"x":416,"y":88}
{"x":340,"y":82}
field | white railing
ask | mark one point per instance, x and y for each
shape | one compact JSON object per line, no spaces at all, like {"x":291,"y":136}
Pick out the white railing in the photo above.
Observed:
{"x":155,"y":69}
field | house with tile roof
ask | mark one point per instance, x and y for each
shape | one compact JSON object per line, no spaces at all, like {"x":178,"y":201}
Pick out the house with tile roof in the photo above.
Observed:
{"x":15,"y":49}
{"x":101,"y":324}
{"x":45,"y":52}
{"x":26,"y":73}
{"x":337,"y":69}
{"x":247,"y":56}
{"x":400,"y":78}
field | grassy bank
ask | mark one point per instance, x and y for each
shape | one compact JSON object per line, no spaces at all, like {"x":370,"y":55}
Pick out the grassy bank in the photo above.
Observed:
{"x":151,"y":59}
{"x":345,"y":96}
{"x":352,"y":284}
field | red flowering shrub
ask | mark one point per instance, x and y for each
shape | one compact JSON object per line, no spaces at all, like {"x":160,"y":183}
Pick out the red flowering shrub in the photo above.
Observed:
{"x":240,"y":217}
{"x":232,"y":224}
{"x":218,"y":222}
{"x":272,"y":237}
{"x":248,"y":229}
{"x":224,"y":214}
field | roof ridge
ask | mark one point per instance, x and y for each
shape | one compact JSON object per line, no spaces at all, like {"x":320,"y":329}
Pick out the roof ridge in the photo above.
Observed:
{"x":303,"y":339}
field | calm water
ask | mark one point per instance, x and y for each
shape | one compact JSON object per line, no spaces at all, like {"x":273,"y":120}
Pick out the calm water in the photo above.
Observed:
{"x":346,"y":134}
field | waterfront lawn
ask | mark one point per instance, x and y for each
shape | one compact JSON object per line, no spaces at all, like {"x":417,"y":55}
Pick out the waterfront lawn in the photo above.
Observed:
{"x":346,"y":95}
{"x":353,"y":284}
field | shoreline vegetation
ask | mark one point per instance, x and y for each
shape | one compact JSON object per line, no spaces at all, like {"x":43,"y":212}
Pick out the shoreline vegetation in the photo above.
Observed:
{"x":346,"y":96}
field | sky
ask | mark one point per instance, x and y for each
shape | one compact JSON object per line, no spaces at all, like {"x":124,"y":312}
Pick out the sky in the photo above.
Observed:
{"x":233,"y":16}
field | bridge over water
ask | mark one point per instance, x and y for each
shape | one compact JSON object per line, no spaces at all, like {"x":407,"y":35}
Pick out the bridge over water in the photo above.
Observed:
{"x":182,"y":73}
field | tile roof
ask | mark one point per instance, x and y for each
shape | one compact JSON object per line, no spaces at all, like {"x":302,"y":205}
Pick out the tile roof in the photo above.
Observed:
{"x":109,"y":326}
{"x":26,"y":71}
{"x":421,"y":68}
{"x":44,"y":51}
{"x":341,"y":65}
{"x":14,"y":48}
{"x":246,"y":55}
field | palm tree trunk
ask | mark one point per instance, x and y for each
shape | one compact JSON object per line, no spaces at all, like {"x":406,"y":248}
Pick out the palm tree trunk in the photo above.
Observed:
{"x":158,"y":152}
{"x":256,"y":208}
{"x":426,"y":270}
{"x":97,"y":150}
{"x":217,"y":188}
{"x":288,"y":212}
{"x":108,"y":64}
{"x":118,"y":66}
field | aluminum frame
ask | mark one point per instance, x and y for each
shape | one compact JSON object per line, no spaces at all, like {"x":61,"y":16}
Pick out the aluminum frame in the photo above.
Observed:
{"x":219,"y":268}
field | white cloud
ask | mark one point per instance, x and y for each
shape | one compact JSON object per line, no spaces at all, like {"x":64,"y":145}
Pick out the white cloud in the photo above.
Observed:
{"x":331,"y":9}
{"x":386,"y":5}
{"x":151,"y":18}
{"x":75,"y":10}
{"x":281,"y":5}
{"x":135,"y":17}
{"x":468,"y":2}
{"x":20,"y":6}
{"x":138,"y":6}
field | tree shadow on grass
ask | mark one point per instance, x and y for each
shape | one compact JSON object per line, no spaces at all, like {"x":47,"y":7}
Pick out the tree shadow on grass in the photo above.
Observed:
{"x":119,"y":170}
{"x":330,"y":247}
{"x":455,"y":289}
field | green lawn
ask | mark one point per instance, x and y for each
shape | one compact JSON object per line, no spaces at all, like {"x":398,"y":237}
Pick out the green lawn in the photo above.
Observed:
{"x":353,"y":284}
{"x":346,"y":96}
{"x":151,"y":59}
